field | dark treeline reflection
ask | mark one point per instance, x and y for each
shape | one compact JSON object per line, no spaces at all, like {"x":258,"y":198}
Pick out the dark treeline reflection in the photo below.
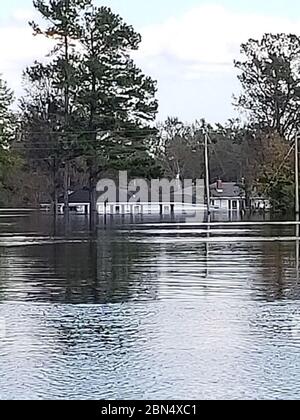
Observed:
{"x":278,"y":272}
{"x":99,"y":270}
{"x":41,"y":261}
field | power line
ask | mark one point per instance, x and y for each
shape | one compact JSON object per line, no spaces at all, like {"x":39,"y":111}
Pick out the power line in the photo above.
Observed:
{"x":52,"y":158}
{"x":111,"y":131}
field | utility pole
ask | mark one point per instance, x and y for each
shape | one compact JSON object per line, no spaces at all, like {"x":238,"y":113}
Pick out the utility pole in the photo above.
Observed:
{"x":55,"y":197}
{"x":207,"y":171}
{"x":297,"y":202}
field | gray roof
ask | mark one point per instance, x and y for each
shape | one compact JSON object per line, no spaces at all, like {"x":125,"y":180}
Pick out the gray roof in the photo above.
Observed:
{"x":82,"y":196}
{"x":78,"y":197}
{"x":229,"y":190}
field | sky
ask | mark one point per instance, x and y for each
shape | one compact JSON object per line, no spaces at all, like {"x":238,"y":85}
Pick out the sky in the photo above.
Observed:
{"x":188,"y":46}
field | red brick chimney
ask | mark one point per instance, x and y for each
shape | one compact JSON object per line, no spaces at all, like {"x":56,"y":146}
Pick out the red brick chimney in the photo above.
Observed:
{"x":219,"y":185}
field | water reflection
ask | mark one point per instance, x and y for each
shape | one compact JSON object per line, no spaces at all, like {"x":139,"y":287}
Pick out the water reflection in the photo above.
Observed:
{"x":138,"y":263}
{"x":148,"y":311}
{"x":95,"y":271}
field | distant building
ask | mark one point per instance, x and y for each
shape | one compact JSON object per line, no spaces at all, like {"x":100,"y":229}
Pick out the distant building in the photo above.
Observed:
{"x":258,"y":201}
{"x":227,"y":196}
{"x":174,"y":204}
{"x":79,"y":203}
{"x":260,"y":204}
{"x":148,"y":208}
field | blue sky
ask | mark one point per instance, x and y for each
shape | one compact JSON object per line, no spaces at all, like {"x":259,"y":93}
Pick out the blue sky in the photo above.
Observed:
{"x":141,"y":12}
{"x":188,"y":46}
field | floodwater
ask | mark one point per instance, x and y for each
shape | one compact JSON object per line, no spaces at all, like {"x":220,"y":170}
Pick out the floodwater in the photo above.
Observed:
{"x":148,"y":309}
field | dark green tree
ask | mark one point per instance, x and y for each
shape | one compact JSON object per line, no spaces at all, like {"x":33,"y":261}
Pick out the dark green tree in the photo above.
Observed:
{"x":42,"y":111}
{"x":116,"y":101}
{"x":91,"y":101}
{"x":63,"y":28}
{"x":270,"y":78}
{"x":7,"y":127}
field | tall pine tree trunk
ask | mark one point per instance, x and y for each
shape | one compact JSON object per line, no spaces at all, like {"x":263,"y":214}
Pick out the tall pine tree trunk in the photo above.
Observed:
{"x":55,"y":192}
{"x":66,"y":190}
{"x":92,"y":196}
{"x":67,"y":105}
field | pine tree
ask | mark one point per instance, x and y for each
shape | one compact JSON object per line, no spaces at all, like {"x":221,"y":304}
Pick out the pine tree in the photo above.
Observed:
{"x":63,"y":27}
{"x":7,"y":125}
{"x":7,"y":131}
{"x":103,"y":103}
{"x":115,"y":99}
{"x":270,"y":77}
{"x":6,"y":115}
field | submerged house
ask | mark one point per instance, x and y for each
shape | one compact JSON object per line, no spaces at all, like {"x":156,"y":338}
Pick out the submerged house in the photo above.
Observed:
{"x":260,"y":204}
{"x":227,"y":196}
{"x":170,"y":204}
{"x":259,"y":201}
{"x":147,"y":208}
{"x":79,"y":203}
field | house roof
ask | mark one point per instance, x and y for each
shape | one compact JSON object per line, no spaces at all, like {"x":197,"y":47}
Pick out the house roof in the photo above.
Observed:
{"x":81,"y":196}
{"x":229,"y":190}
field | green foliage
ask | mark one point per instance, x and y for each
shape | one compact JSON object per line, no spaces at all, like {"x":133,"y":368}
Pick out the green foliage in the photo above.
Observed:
{"x":116,"y":101}
{"x":275,"y":172}
{"x":59,"y":76}
{"x":90,"y":104}
{"x":270,"y":78}
{"x":7,"y":132}
{"x":6,"y":116}
{"x":178,"y":147}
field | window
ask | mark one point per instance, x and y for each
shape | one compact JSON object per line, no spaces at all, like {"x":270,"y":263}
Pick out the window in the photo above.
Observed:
{"x":234,"y":205}
{"x":137,"y":210}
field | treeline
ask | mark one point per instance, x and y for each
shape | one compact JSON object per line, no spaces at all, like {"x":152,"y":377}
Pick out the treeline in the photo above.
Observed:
{"x":89,"y":111}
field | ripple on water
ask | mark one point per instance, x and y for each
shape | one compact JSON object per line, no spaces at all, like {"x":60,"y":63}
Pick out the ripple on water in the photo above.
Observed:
{"x":149,"y":315}
{"x":210,"y":350}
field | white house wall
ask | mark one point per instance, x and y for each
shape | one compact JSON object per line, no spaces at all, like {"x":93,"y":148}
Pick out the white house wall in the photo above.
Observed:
{"x":226,"y":204}
{"x":148,"y":208}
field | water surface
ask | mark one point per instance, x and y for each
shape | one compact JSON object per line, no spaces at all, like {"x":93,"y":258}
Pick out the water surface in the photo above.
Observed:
{"x":146,"y":310}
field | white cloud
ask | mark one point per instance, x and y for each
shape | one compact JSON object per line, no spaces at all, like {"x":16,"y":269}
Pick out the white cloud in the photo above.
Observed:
{"x":21,"y":15}
{"x":208,"y":37}
{"x":200,"y":47}
{"x":19,"y":48}
{"x":193,"y":52}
